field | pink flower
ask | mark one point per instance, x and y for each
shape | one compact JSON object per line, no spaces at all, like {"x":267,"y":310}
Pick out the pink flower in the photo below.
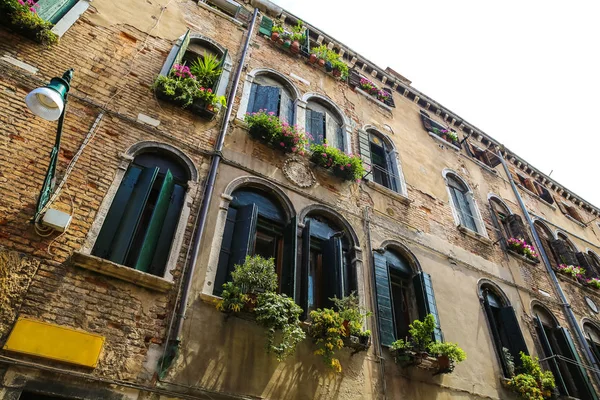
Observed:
{"x":301,"y":153}
{"x":209,"y":90}
{"x":282,"y":144}
{"x":294,"y":149}
{"x":341,"y":167}
{"x":325,"y":145}
{"x":271,"y":113}
{"x":348,"y":165}
{"x":324,"y":154}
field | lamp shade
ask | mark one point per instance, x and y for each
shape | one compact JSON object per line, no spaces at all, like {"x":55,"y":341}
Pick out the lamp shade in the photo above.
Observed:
{"x":46,"y":103}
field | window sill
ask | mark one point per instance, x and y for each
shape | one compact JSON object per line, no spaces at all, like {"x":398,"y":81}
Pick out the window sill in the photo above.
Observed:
{"x":373,"y":99}
{"x":576,"y":221}
{"x":220,"y":13}
{"x":536,"y":196}
{"x":474,"y":235}
{"x":63,"y":25}
{"x":522,"y":258}
{"x":240,"y":123}
{"x":109,"y":268}
{"x":445,"y":142}
{"x":388,"y":192}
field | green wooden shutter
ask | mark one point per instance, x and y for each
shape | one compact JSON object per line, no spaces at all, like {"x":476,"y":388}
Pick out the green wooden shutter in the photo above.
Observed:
{"x":393,"y":171}
{"x":156,"y":223}
{"x":132,"y":215}
{"x":582,"y":382}
{"x":426,"y":301}
{"x":385,"y":314}
{"x":549,"y":352}
{"x":266,"y":25}
{"x":244,"y":235}
{"x":497,"y":339}
{"x":114,"y":216}
{"x":332,"y":284}
{"x":225,"y":253}
{"x":287,"y":108}
{"x":290,"y":253}
{"x":176,"y":54}
{"x":364,"y":145}
{"x":512,"y":331}
{"x":54,"y":10}
{"x":315,"y":125}
{"x":163,"y":247}
{"x":305,"y":268}
{"x":218,"y":80}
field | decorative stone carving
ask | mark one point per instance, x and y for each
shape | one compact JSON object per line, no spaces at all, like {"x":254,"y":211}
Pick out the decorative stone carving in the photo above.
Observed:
{"x":297,"y":171}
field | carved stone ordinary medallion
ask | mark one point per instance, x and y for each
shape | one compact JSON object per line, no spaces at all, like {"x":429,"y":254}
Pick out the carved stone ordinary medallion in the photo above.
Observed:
{"x":298,"y":172}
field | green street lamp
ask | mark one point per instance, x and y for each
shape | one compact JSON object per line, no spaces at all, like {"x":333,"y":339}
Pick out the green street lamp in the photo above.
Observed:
{"x":50,"y":103}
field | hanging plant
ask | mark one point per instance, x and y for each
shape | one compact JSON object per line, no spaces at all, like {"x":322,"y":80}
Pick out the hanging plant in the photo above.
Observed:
{"x":346,"y":166}
{"x":21,"y":16}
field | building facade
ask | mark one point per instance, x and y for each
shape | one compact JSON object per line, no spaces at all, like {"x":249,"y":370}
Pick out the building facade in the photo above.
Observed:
{"x":166,"y":200}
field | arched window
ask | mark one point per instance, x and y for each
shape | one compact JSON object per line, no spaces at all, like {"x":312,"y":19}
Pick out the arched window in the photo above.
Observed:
{"x":272,"y":94}
{"x":384,"y":163}
{"x":324,"y":122}
{"x":403,"y":295}
{"x":564,"y":361}
{"x":592,"y":335}
{"x":327,"y":269}
{"x":461,"y":200}
{"x":509,"y":225}
{"x":564,"y":250}
{"x":140,"y":225}
{"x":546,"y":237}
{"x":504,"y":327}
{"x":257,"y":225}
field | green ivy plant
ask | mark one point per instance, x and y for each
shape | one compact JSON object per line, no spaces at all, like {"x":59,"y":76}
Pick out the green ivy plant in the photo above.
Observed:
{"x":532,"y":383}
{"x":22,"y":17}
{"x":349,"y":309}
{"x":279,"y":313}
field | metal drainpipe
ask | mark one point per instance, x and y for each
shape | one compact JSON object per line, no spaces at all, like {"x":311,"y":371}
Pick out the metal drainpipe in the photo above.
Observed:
{"x":210,"y":185}
{"x":563,"y":299}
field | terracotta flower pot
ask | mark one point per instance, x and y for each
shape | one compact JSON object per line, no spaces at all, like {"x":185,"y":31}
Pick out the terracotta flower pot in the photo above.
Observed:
{"x":321,"y":62}
{"x":337,"y":73}
{"x":312,"y":58}
{"x":295,"y":47}
{"x":274,"y":36}
{"x":443,"y":363}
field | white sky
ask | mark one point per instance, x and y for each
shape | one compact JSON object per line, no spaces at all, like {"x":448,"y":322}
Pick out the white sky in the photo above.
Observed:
{"x":526,"y":73}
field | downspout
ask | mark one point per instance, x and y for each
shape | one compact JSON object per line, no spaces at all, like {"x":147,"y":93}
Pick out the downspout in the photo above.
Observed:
{"x":188,"y":273}
{"x":563,"y":299}
{"x":374,"y":305}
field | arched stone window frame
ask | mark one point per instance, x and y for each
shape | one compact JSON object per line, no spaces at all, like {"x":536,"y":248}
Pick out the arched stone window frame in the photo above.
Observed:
{"x":481,"y":230}
{"x":560,"y":234}
{"x":227,"y":65}
{"x":191,"y":194}
{"x":346,"y":124}
{"x":285,"y":81}
{"x":365,"y":130}
{"x":226,"y":198}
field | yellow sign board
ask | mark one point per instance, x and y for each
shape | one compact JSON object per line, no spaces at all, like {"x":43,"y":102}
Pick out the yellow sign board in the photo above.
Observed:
{"x":55,"y":342}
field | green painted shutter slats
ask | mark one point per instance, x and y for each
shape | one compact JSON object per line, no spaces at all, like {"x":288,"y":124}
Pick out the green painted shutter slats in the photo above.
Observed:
{"x":510,"y":326}
{"x":548,"y":352}
{"x":225,"y":253}
{"x":385,"y":314}
{"x":54,"y":10}
{"x":132,"y":215}
{"x":165,"y":240}
{"x":244,"y":234}
{"x":332,"y":284}
{"x":176,"y":55}
{"x":264,"y":98}
{"x":496,"y":336}
{"x":114,"y":216}
{"x":290,"y":245}
{"x":266,"y":25}
{"x":315,"y":125}
{"x":156,"y":223}
{"x":305,"y":268}
{"x":364,"y":145}
{"x":394,"y":173}
{"x":426,"y":301}
{"x":578,"y":372}
{"x":287,"y":108}
{"x":463,"y":208}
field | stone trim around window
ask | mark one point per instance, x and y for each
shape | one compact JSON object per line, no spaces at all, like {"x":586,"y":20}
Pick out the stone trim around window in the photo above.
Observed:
{"x":70,"y":17}
{"x":389,"y":192}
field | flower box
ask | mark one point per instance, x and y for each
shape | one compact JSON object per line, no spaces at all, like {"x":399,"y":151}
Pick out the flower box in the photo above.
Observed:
{"x":522,"y":248}
{"x":357,"y":343}
{"x":21,"y":17}
{"x":346,"y":166}
{"x":268,"y":128}
{"x":198,"y":107}
{"x":423,"y":361}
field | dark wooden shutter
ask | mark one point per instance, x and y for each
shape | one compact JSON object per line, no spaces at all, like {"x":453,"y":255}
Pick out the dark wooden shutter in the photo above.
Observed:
{"x":266,"y":25}
{"x":496,"y":336}
{"x":305,"y":268}
{"x":333,"y":280}
{"x":176,"y":56}
{"x":222,"y":275}
{"x":364,"y":146}
{"x":393,"y":171}
{"x":385,"y":314}
{"x":264,"y":98}
{"x":114,"y":216}
{"x":132,"y":215}
{"x":54,"y":10}
{"x":582,"y":382}
{"x":244,"y":234}
{"x":317,"y":126}
{"x":548,"y":352}
{"x":463,"y":208}
{"x":426,"y":301}
{"x":287,"y":108}
{"x":390,"y":100}
{"x":253,"y":89}
{"x":156,"y":223}
{"x":305,"y":46}
{"x":510,"y":325}
{"x":517,"y":227}
{"x":341,"y":138}
{"x":585,"y":261}
{"x":354,"y":78}
{"x":563,"y":252}
{"x":163,"y":247}
{"x":288,"y":272}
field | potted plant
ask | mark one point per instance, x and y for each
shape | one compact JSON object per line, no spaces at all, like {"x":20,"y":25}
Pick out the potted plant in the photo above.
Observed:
{"x":532,"y":383}
{"x":353,"y":314}
{"x":276,"y":32}
{"x":346,"y":166}
{"x":521,"y":247}
{"x":21,"y":16}
{"x":255,"y":275}
{"x":574,"y":271}
{"x":313,"y":58}
{"x":267,"y":127}
{"x":447,"y":354}
{"x":298,"y":35}
{"x":327,"y":331}
{"x":594,"y":282}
